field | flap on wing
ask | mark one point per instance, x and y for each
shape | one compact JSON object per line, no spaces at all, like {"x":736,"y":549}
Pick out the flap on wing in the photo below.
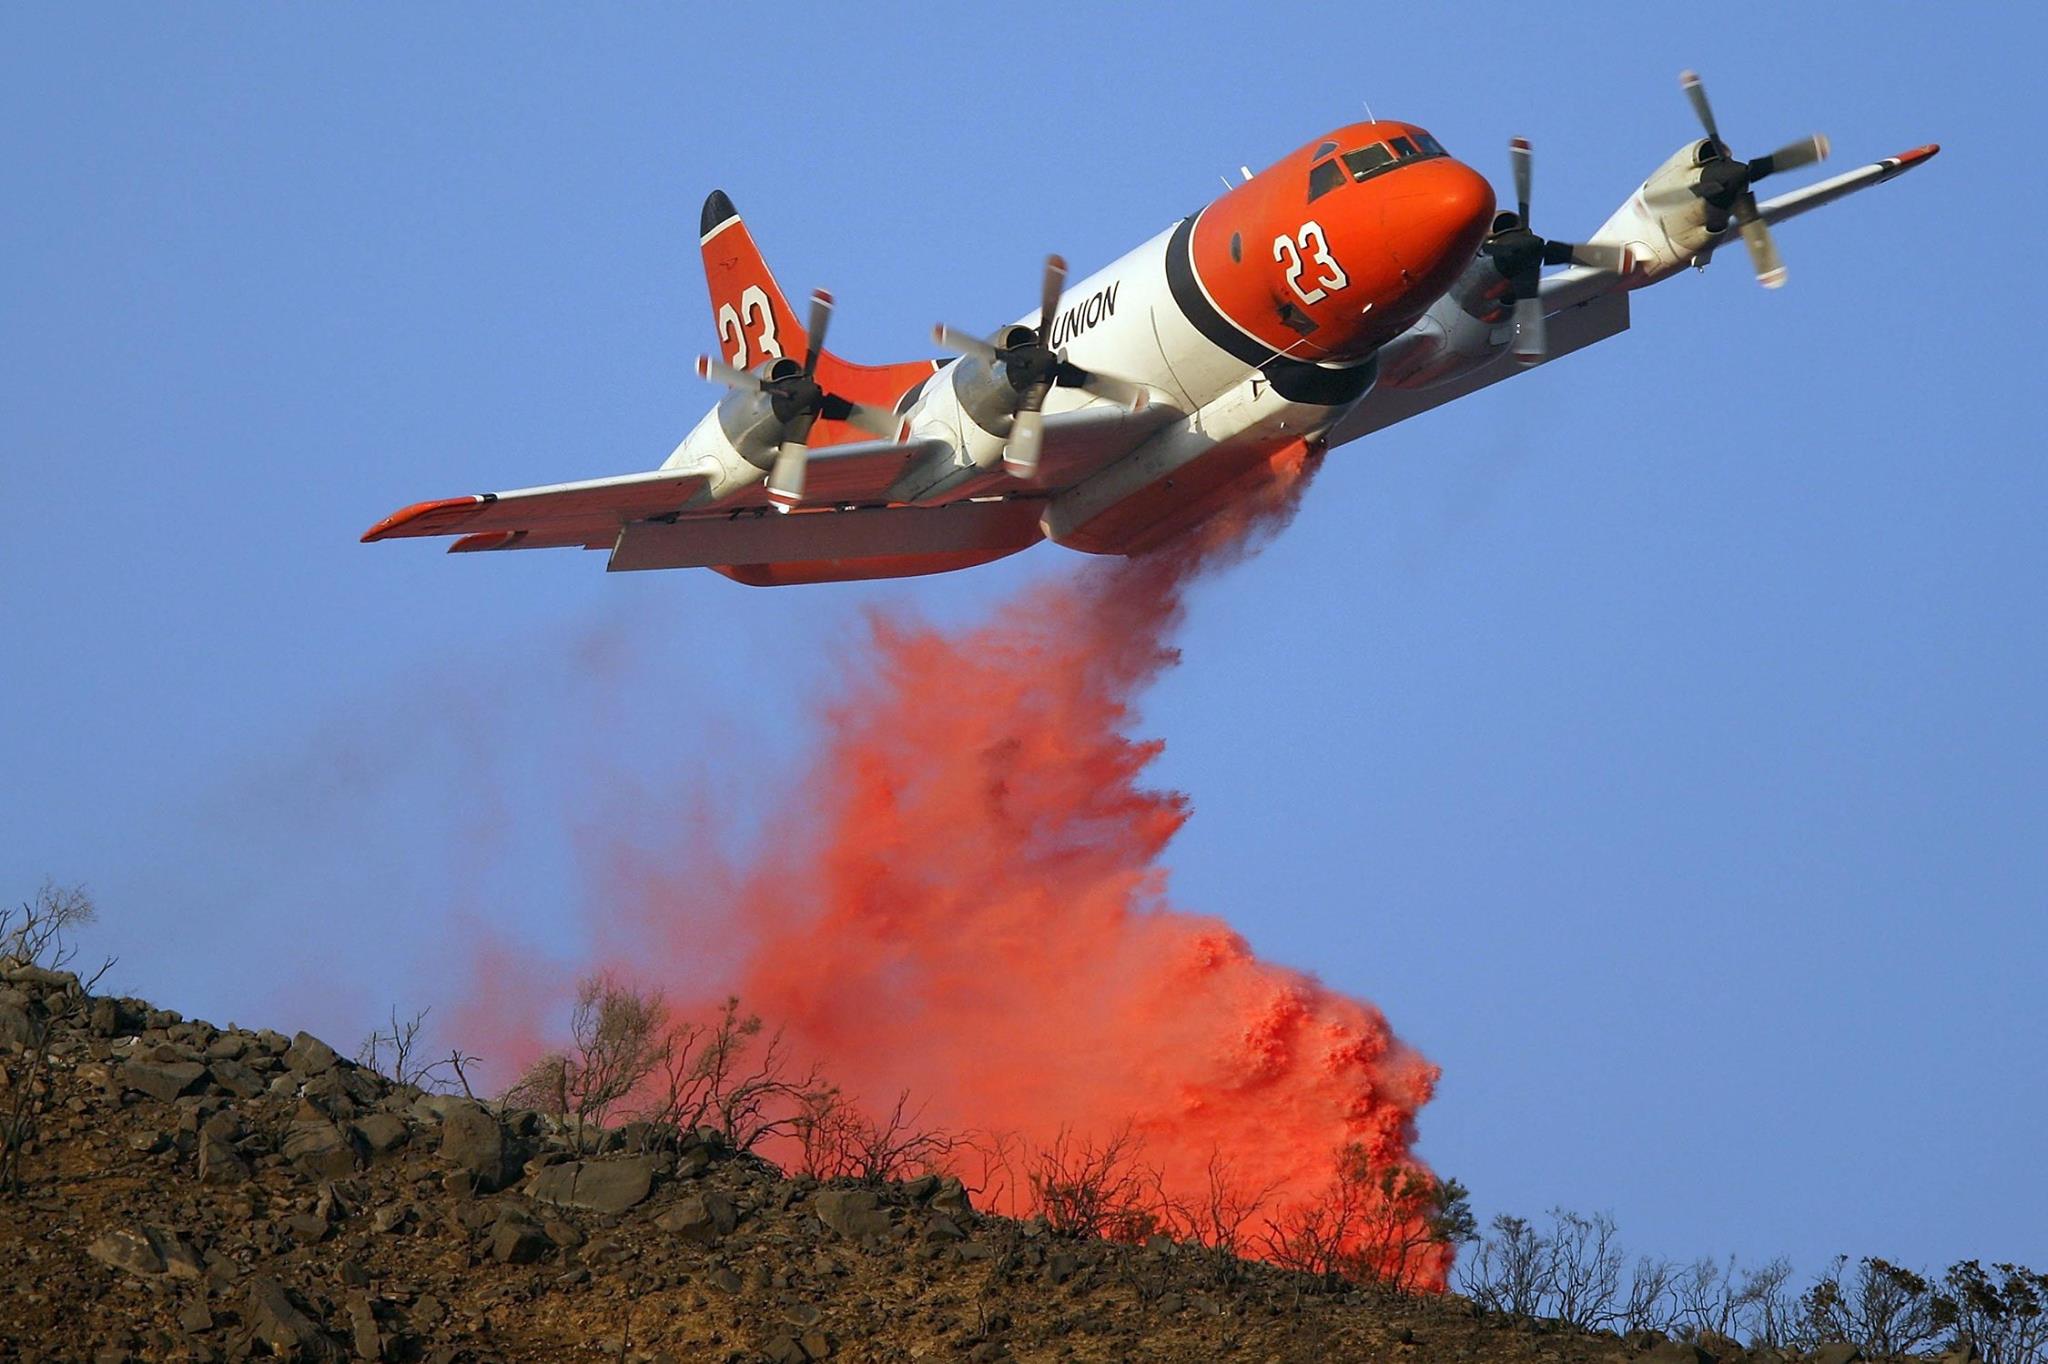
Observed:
{"x":1579,"y":325}
{"x":766,"y":537}
{"x":564,"y":509}
{"x":836,"y":475}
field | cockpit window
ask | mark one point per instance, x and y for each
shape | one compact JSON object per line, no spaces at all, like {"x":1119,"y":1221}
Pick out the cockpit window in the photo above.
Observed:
{"x":1323,"y":177}
{"x":1367,"y":162}
{"x":1324,"y":151}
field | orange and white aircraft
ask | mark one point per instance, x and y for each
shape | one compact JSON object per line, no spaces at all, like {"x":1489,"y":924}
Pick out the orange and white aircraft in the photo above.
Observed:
{"x":1356,"y":282}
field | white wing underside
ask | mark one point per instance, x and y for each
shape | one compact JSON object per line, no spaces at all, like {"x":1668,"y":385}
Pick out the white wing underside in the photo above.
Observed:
{"x":644,"y":521}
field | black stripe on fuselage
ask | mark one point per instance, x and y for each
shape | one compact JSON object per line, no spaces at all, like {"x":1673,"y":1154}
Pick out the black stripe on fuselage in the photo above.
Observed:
{"x":1295,"y":380}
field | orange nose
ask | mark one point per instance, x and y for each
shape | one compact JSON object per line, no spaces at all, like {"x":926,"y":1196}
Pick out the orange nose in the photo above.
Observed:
{"x":1436,"y":220}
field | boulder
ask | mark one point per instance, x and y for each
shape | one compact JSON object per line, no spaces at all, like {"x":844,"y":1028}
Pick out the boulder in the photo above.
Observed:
{"x":518,"y":1242}
{"x":237,"y":1079}
{"x":163,"y":1081}
{"x":219,"y":1165}
{"x":18,"y":1028}
{"x":853,"y":1213}
{"x":276,"y":1320}
{"x":147,"y":1251}
{"x":608,"y":1186}
{"x":1836,"y":1352}
{"x":308,"y":1055}
{"x":951,"y":1198}
{"x":382,"y":1133}
{"x":1676,"y":1352}
{"x":319,"y":1148}
{"x":701,"y":1218}
{"x":475,"y":1142}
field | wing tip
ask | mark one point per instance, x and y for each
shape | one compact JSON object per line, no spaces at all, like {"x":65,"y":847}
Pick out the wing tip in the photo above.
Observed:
{"x":1917,"y":155}
{"x":435,"y":517}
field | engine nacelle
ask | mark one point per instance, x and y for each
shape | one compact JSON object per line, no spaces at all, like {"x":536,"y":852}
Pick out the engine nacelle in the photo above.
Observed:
{"x":1663,"y":225}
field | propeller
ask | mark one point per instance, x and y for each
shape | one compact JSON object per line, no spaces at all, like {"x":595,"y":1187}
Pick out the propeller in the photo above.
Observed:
{"x":1520,"y":255}
{"x":1034,"y":369}
{"x":798,"y":401}
{"x":1725,"y":183}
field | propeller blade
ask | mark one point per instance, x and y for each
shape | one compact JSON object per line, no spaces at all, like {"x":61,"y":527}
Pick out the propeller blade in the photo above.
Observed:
{"x":1049,"y":295}
{"x":961,"y":343}
{"x":719,"y":372}
{"x":1697,"y":93}
{"x":786,"y":479}
{"x":1529,"y":339}
{"x":876,"y":421}
{"x":1791,"y":156}
{"x":1763,"y":251}
{"x":1027,"y":438}
{"x":814,"y":341}
{"x":1122,"y":392}
{"x":1520,"y":155}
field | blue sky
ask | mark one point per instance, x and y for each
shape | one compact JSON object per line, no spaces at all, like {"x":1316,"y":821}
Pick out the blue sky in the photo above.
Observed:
{"x":1658,"y":738}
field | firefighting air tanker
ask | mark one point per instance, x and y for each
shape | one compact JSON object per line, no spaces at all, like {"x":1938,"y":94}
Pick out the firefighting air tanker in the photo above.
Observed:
{"x":1363,"y":279}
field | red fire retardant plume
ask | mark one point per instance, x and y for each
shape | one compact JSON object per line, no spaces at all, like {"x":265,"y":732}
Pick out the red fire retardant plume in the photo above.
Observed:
{"x":968,"y":904}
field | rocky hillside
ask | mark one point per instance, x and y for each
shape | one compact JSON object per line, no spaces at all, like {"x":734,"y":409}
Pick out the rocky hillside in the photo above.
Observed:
{"x":193,"y":1193}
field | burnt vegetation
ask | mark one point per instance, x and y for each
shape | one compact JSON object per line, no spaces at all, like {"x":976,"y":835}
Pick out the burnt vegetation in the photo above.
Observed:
{"x":173,"y":1190}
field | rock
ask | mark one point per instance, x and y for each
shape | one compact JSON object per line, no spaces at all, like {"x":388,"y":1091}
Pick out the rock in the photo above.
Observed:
{"x":194,"y":1318}
{"x":306,"y":1229}
{"x":219,"y":1165}
{"x":308,"y":1055}
{"x":951,"y":1198}
{"x":319,"y":1148}
{"x":17,"y":1027}
{"x":803,"y":1316}
{"x":382,"y":1133}
{"x":237,"y":1079}
{"x":701,"y":1218}
{"x":1838,"y":1352}
{"x":607,"y":1186}
{"x":851,"y":1212}
{"x":1676,"y":1352}
{"x":147,"y":1251}
{"x":1060,"y":1265}
{"x":725,"y":1279}
{"x":363,"y":1327}
{"x":563,"y":1234}
{"x":474,"y":1141}
{"x":943,"y":1228}
{"x":692,"y":1162}
{"x":390,"y":1217}
{"x":228,"y":1046}
{"x":921,"y":1188}
{"x":276,"y":1320}
{"x":128,"y":1250}
{"x":519,"y":1243}
{"x":783,"y":1349}
{"x":816,"y":1345}
{"x":163,"y":1082}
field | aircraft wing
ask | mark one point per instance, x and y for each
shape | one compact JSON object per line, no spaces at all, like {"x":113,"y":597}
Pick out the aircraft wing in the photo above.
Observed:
{"x":591,"y":513}
{"x":1581,"y":306}
{"x":845,"y":527}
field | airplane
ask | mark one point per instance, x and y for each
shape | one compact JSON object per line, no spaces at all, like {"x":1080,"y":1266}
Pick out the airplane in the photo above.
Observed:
{"x":1362,"y":279}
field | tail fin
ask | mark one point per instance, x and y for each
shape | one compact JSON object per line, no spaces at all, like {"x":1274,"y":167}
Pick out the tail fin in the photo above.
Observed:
{"x":756,"y":322}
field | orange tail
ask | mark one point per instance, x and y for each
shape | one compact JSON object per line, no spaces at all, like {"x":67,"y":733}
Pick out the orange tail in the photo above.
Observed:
{"x":756,"y":322}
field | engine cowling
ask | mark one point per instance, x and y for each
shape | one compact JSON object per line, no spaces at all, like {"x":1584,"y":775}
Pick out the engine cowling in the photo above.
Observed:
{"x":1663,"y":225}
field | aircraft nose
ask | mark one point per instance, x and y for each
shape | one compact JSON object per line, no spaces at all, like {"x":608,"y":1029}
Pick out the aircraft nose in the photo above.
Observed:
{"x":1439,"y":219}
